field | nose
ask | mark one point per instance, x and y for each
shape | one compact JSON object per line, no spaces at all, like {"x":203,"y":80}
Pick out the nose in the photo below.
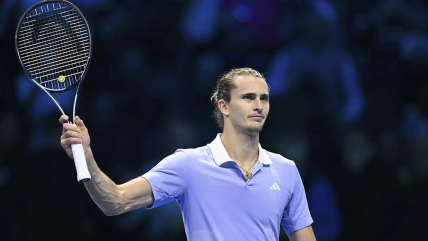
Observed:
{"x":257,"y":105}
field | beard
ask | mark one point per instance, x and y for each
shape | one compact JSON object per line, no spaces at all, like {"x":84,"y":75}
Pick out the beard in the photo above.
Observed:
{"x":250,"y":130}
{"x":254,"y":130}
{"x":242,"y":124}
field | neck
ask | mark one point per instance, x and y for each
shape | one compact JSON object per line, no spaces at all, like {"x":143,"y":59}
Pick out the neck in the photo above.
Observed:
{"x":242,"y":148}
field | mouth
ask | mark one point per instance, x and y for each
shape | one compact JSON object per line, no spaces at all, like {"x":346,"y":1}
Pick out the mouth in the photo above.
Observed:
{"x":257,"y":117}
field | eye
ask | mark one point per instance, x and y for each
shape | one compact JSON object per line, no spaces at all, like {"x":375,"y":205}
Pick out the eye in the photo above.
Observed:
{"x":247,"y":97}
{"x":264,"y":98}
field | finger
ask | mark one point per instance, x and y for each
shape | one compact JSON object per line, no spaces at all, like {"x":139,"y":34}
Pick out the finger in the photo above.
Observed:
{"x":69,"y":127}
{"x":70,"y":133}
{"x":63,"y":119}
{"x":68,"y":141}
{"x":79,"y":122}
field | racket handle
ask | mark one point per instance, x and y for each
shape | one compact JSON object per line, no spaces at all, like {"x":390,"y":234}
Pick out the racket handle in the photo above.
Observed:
{"x":83,"y":174}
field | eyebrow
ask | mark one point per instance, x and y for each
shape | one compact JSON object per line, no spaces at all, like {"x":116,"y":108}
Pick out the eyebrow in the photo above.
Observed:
{"x":263,"y":95}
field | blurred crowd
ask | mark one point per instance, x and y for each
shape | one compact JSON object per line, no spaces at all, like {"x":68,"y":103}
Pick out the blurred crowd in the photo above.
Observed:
{"x":348,"y":82}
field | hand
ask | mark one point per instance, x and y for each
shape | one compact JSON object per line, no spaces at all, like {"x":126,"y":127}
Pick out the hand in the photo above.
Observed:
{"x":74,"y":135}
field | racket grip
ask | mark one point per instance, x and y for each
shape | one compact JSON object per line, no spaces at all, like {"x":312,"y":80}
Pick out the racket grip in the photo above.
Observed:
{"x":83,"y":174}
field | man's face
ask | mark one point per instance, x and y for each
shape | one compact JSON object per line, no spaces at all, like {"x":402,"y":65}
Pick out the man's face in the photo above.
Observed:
{"x":249,"y":104}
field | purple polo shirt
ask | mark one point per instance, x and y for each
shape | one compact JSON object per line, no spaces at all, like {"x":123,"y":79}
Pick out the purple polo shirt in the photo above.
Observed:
{"x":218,"y":203}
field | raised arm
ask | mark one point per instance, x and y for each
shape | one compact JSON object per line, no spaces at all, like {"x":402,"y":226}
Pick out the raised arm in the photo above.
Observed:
{"x":111,"y":198}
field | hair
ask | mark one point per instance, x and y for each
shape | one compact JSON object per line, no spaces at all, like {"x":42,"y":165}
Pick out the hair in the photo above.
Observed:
{"x":224,"y":88}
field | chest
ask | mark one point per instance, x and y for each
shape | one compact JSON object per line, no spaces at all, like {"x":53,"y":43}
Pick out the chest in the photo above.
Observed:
{"x":267,"y":192}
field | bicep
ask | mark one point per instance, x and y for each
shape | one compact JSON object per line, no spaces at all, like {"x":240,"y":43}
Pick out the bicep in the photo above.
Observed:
{"x":304,"y":234}
{"x":136,"y":193}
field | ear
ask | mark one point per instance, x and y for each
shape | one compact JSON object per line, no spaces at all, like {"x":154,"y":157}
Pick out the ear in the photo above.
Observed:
{"x":223,"y":107}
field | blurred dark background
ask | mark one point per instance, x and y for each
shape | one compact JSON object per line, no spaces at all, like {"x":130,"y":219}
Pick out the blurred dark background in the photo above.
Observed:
{"x":348,"y":105}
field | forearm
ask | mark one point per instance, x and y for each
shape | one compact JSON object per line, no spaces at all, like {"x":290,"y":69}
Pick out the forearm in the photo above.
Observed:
{"x":111,"y":198}
{"x":105,"y":193}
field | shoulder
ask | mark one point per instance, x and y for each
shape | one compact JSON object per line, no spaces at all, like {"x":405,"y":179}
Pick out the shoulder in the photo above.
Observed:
{"x":195,"y":153}
{"x":280,"y":160}
{"x":283,"y":165}
{"x":180,"y":160}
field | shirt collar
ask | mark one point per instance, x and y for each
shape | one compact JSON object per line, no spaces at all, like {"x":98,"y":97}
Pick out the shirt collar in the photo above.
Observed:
{"x":221,"y":156}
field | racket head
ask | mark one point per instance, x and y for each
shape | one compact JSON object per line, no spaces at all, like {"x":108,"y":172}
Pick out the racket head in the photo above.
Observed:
{"x":54,"y":45}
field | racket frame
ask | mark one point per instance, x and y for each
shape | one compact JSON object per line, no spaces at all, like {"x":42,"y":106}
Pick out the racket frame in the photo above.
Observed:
{"x":77,"y":84}
{"x":50,"y":92}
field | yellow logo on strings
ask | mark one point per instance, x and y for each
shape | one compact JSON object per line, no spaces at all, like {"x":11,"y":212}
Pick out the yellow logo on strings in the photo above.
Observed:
{"x":61,"y":78}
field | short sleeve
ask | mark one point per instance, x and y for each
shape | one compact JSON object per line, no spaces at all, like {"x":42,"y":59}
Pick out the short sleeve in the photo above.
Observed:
{"x":296,"y":215}
{"x":168,"y":179}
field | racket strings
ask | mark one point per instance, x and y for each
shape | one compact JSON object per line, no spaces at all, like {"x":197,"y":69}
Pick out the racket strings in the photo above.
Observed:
{"x":54,"y":41}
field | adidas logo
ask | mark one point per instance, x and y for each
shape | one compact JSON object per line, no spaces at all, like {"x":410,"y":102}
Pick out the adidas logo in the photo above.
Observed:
{"x":275,"y":187}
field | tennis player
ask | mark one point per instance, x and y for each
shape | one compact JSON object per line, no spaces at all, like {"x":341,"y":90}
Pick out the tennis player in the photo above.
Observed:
{"x":230,"y":189}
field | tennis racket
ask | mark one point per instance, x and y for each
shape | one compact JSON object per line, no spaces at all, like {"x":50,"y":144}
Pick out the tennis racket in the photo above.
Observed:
{"x":54,"y":47}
